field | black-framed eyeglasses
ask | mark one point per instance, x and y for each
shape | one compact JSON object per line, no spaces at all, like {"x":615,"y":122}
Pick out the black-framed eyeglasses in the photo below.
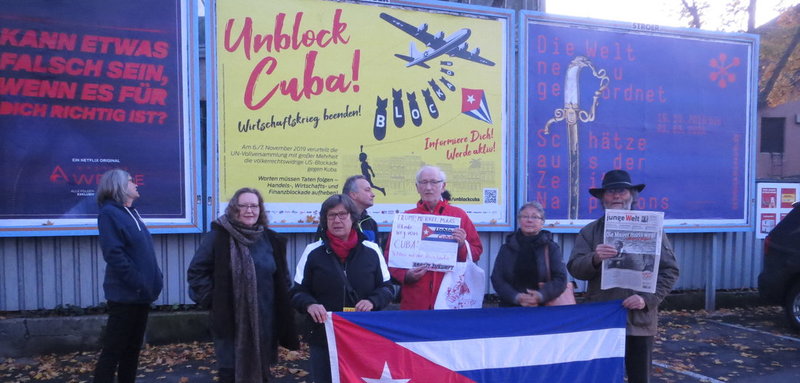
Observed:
{"x":342,"y":215}
{"x":245,"y":207}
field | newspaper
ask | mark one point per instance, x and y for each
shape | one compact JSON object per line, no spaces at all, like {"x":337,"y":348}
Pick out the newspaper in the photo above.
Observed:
{"x":424,"y":240}
{"x":637,"y":237}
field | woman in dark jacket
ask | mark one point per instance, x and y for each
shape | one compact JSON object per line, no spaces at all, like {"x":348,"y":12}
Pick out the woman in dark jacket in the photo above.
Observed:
{"x":240,"y":273}
{"x":340,"y":272}
{"x":520,"y":272}
{"x":133,"y":279}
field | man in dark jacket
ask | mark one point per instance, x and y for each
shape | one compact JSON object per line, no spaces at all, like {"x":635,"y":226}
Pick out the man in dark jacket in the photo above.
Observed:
{"x":585,"y":263}
{"x":359,"y":190}
{"x":133,"y":279}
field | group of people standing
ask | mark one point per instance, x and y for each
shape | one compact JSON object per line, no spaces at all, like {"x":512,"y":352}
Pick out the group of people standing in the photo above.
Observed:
{"x":240,"y":273}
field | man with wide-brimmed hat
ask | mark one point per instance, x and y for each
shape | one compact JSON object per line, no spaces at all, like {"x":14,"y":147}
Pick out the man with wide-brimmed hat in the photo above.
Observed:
{"x":585,"y":262}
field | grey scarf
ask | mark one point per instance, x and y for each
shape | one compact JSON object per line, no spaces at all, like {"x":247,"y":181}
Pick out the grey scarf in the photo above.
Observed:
{"x":250,"y":366}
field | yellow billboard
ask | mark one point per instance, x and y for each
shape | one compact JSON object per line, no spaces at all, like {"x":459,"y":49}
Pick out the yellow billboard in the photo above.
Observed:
{"x":306,"y":93}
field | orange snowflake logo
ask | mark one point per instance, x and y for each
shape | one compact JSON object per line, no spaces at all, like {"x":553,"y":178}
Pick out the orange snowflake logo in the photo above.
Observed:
{"x":720,"y":74}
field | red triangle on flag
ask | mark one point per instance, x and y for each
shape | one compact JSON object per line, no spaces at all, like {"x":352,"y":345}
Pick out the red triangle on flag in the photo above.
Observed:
{"x":471,"y":99}
{"x":363,"y":354}
{"x":426,"y":231}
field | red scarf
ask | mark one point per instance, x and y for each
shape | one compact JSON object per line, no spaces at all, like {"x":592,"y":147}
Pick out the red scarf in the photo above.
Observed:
{"x":342,"y":248}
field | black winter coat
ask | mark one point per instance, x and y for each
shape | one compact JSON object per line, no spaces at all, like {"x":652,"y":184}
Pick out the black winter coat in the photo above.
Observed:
{"x":503,"y":272}
{"x":322,"y":279}
{"x":210,"y":284}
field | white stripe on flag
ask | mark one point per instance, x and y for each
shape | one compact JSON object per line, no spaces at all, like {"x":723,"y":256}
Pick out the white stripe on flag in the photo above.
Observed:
{"x":533,"y":350}
{"x":333,"y":352}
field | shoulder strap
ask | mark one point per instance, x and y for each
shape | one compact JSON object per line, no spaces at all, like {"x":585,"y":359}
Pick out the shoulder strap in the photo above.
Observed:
{"x":547,"y":260}
{"x":348,"y":288}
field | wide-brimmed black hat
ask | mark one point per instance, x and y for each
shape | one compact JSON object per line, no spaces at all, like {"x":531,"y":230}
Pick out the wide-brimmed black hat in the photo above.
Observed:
{"x":615,"y":179}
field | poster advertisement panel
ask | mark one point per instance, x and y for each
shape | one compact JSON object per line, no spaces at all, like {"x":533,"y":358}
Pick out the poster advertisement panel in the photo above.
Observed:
{"x":788,"y":197}
{"x":673,"y":107}
{"x":769,"y":198}
{"x":774,"y":202}
{"x":304,"y":94}
{"x":90,"y":86}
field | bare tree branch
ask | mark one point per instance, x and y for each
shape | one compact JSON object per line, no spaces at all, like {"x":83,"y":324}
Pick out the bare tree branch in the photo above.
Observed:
{"x":764,"y":93}
{"x":693,"y":12}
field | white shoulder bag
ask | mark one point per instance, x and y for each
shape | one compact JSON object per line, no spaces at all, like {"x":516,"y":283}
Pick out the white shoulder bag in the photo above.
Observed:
{"x":463,"y":287}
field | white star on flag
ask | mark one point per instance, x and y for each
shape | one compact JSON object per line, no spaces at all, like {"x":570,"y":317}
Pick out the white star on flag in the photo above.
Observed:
{"x":386,"y":377}
{"x":470,"y":99}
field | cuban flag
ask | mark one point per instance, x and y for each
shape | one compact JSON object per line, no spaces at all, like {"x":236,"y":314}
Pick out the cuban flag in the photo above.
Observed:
{"x":577,"y":343}
{"x":473,"y":104}
{"x":438,"y":232}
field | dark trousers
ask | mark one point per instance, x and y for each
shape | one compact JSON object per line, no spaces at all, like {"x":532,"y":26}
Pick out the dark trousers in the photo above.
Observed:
{"x":226,"y":375}
{"x":320,"y":363}
{"x":122,"y":342}
{"x":638,"y":358}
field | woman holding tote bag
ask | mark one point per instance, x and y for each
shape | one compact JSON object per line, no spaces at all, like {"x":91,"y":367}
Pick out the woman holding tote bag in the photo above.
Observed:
{"x":529,"y":270}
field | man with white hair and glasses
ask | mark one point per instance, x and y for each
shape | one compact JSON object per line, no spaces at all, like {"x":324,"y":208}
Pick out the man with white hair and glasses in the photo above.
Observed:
{"x":420,"y":285}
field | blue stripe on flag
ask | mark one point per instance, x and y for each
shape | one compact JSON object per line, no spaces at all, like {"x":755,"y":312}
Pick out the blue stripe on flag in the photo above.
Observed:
{"x":443,"y":226}
{"x":417,"y":326}
{"x":433,"y":238}
{"x":598,"y":370}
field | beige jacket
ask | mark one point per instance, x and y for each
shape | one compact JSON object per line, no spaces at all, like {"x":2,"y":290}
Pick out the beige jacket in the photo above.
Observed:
{"x":640,"y":322}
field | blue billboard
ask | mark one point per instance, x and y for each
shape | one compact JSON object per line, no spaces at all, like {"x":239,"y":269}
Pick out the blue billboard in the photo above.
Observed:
{"x":673,"y":107}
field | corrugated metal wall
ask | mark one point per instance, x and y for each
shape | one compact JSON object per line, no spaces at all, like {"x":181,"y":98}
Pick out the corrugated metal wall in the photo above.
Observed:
{"x":43,"y":273}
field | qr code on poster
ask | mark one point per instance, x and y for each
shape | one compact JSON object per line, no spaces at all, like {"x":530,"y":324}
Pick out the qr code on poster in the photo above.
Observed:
{"x":489,"y":195}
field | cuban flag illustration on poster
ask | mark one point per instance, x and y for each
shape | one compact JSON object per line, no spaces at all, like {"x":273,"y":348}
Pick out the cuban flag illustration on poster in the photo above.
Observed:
{"x":576,"y":343}
{"x":438,"y":232}
{"x":437,"y":238}
{"x":473,"y":104}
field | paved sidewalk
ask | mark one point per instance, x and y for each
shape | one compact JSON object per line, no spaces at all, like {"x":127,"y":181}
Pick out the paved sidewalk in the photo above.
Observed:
{"x":173,"y":363}
{"x":729,"y":345}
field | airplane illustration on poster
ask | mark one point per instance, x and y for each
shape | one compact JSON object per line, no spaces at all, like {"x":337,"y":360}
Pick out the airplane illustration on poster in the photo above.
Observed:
{"x":437,"y":45}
